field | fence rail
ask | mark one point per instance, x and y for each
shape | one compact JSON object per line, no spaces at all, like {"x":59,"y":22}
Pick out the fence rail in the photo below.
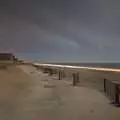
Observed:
{"x":112,"y":91}
{"x":111,"y":87}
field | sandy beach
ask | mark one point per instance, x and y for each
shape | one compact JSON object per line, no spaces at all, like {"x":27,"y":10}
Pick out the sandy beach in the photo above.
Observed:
{"x":29,"y":94}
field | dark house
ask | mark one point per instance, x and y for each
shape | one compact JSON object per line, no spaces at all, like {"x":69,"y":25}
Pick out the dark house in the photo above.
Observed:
{"x":6,"y":57}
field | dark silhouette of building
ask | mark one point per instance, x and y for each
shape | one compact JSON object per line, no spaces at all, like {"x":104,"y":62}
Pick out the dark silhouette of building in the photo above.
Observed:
{"x":6,"y":56}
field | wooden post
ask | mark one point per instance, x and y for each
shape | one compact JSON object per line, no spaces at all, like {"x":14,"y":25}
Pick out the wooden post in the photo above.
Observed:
{"x":60,"y":77}
{"x":63,"y":74}
{"x":54,"y":71}
{"x":112,"y":96}
{"x":112,"y":90}
{"x":105,"y":85}
{"x":45,"y":70}
{"x":77,"y":75}
{"x":50,"y":72}
{"x":74,"y":79}
{"x":109,"y":89}
{"x":117,"y":93}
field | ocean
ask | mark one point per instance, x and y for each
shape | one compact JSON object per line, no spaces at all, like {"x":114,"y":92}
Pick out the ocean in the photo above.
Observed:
{"x":97,"y":65}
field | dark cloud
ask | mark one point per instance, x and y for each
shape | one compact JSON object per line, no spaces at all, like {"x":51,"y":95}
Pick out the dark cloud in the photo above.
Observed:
{"x":61,"y":30}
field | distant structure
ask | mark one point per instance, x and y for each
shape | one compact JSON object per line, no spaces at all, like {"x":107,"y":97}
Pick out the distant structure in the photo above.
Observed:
{"x":8,"y":57}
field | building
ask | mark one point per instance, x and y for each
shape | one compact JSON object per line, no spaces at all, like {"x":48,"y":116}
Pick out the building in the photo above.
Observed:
{"x":6,"y":56}
{"x":9,"y":58}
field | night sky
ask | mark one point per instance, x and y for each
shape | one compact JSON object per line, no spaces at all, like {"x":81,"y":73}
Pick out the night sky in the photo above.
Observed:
{"x":61,"y":30}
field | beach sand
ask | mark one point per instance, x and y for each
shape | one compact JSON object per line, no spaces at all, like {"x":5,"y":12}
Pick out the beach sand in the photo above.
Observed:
{"x":29,"y":94}
{"x":92,"y":78}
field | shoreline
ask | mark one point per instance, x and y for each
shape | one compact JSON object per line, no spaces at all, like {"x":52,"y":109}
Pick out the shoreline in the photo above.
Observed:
{"x":79,"y":67}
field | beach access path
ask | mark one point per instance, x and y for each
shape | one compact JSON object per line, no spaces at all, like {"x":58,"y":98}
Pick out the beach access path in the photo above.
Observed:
{"x":47,"y":98}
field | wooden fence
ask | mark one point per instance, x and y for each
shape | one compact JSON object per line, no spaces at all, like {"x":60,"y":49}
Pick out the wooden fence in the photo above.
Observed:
{"x":112,"y":91}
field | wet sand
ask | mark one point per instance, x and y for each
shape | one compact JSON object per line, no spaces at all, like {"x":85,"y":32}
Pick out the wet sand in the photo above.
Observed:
{"x":28,"y":94}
